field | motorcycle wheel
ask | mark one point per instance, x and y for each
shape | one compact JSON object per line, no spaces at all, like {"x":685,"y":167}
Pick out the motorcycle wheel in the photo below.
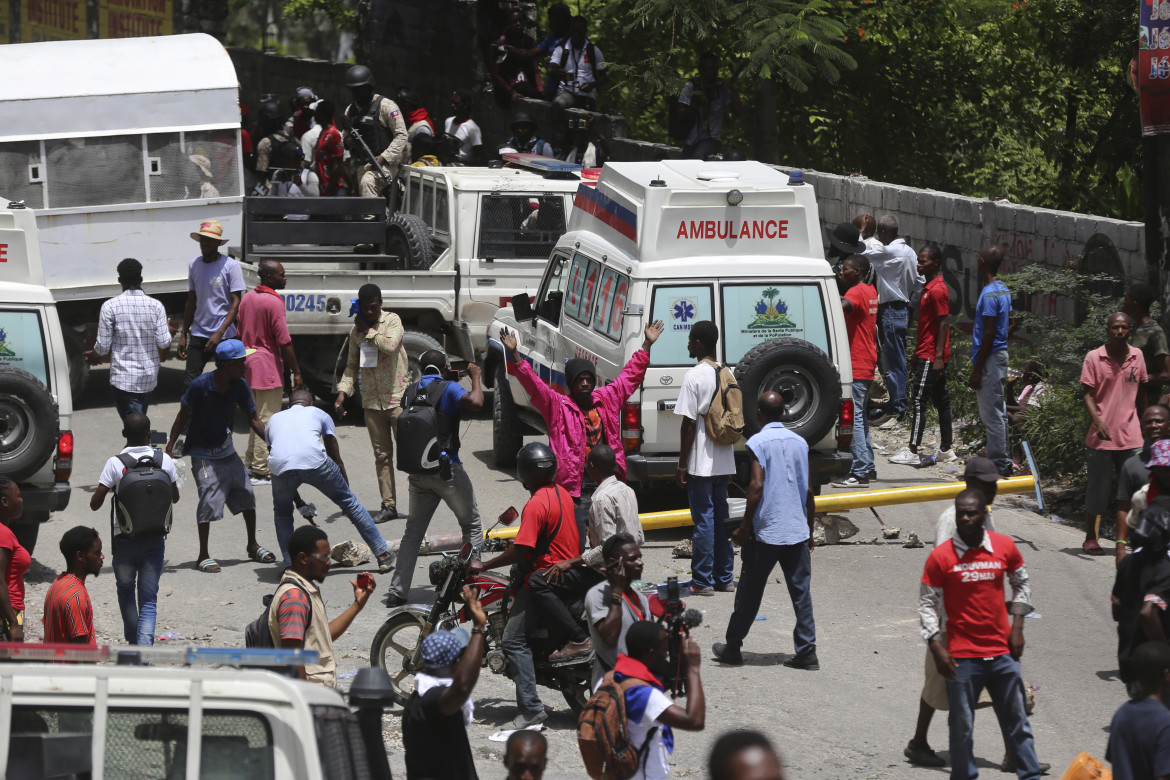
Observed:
{"x":577,"y":692}
{"x":393,"y":648}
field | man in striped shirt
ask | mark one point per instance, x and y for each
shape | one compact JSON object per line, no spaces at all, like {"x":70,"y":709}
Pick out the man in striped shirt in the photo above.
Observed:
{"x":68,"y":616}
{"x":133,"y":331}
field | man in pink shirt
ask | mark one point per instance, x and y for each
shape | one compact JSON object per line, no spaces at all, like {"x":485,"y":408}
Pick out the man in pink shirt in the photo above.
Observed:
{"x":1111,"y":380}
{"x":263,"y":328}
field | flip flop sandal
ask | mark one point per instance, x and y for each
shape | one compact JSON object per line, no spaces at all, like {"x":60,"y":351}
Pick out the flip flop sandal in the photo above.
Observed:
{"x":208,"y":566}
{"x":262,"y":556}
{"x":1093,"y":547}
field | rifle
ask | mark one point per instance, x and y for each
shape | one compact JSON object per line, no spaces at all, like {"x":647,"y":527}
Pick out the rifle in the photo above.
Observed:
{"x":373,"y":157}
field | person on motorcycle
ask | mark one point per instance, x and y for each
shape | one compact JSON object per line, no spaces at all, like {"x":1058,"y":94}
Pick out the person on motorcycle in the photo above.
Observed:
{"x":614,"y":508}
{"x":613,"y":604}
{"x":548,"y":534}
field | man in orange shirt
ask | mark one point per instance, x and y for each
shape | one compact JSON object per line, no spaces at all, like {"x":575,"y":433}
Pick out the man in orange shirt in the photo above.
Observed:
{"x":68,"y":613}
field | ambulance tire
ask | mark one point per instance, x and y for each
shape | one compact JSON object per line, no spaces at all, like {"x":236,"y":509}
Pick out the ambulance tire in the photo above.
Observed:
{"x":803,"y":374}
{"x":507,"y":431}
{"x":408,"y":237}
{"x":28,"y":424}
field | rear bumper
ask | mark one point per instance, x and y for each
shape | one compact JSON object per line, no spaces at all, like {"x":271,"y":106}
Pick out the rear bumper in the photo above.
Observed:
{"x":825,"y":466}
{"x":45,"y":499}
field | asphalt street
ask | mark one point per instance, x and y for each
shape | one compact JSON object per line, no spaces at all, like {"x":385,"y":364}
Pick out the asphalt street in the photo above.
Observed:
{"x":850,"y":719}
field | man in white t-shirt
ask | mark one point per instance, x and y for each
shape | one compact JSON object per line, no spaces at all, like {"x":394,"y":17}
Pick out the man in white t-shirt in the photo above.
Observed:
{"x":137,"y":562}
{"x":464,"y":128}
{"x":650,"y":714}
{"x":579,"y":66}
{"x":705,"y":469}
{"x":303,"y":450}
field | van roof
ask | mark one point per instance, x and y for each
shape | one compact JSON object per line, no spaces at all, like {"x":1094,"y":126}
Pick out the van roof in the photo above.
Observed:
{"x":172,"y":82}
{"x":672,"y":209}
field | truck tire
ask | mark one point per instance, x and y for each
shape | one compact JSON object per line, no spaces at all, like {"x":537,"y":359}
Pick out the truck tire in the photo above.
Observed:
{"x":801,"y":371}
{"x":28,"y":424}
{"x":408,"y":237}
{"x":507,"y":431}
{"x":27,"y":528}
{"x":415,"y":342}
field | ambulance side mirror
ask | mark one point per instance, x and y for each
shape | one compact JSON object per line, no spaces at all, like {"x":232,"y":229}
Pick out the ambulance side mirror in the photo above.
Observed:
{"x":522,"y":307}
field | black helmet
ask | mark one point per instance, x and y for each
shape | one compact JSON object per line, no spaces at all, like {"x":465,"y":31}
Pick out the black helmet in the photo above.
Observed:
{"x":536,"y":465}
{"x":270,"y":111}
{"x":521,"y":118}
{"x":359,"y":76}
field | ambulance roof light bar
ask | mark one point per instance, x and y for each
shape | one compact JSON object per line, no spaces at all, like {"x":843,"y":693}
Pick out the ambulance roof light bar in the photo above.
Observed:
{"x":134,"y":655}
{"x":549,"y":167}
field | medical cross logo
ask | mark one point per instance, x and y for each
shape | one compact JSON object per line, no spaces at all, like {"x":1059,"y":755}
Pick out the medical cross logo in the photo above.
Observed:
{"x":684,"y":310}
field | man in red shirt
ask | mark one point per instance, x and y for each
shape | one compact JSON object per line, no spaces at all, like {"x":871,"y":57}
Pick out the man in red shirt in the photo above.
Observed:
{"x":966,"y":575}
{"x":932,"y":352}
{"x":860,"y":302}
{"x":68,"y":615}
{"x":548,"y":535}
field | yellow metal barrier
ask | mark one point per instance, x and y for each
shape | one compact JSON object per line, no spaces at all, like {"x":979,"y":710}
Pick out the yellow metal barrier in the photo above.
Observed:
{"x":837,"y":502}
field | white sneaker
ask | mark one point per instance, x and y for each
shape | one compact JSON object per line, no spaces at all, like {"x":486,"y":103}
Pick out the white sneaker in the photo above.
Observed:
{"x":905,"y":457}
{"x":945,"y":456}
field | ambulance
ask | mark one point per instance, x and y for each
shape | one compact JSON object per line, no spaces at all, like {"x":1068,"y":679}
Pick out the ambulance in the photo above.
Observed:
{"x":682,"y":241}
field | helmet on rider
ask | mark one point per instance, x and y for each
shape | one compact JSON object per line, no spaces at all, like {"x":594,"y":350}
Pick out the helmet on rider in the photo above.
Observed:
{"x":359,"y":76}
{"x":536,"y":466}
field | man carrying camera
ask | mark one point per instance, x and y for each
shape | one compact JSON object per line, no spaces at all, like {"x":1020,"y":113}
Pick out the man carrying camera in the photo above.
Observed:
{"x":450,"y":484}
{"x":613,"y":604}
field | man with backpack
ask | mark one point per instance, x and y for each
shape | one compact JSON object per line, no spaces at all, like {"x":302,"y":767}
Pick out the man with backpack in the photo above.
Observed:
{"x":700,"y":108}
{"x":428,"y":451}
{"x":705,"y":466}
{"x":304,"y":450}
{"x":580,"y":68}
{"x":145,"y":487}
{"x":626,"y":728}
{"x":776,"y":528}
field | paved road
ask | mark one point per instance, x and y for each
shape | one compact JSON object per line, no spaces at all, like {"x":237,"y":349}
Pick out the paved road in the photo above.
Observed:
{"x":851,"y":719}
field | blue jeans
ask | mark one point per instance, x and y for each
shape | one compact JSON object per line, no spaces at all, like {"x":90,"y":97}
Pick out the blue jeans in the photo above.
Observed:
{"x":426,"y":491}
{"x":1001,"y":677}
{"x":130,"y":403}
{"x":515,"y":645}
{"x":712,"y":556}
{"x":758,"y":561}
{"x":326,"y":478}
{"x":993,"y":410}
{"x":893,"y":326}
{"x":138,"y":565}
{"x":862,"y":447}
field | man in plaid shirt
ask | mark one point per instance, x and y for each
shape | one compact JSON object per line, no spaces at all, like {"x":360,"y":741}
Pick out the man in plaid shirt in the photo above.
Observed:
{"x":133,"y":331}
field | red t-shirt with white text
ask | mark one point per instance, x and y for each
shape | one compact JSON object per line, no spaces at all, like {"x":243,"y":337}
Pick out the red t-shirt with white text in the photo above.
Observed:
{"x":932,"y":307}
{"x":973,"y":594}
{"x":861,"y":327}
{"x":538,"y":520}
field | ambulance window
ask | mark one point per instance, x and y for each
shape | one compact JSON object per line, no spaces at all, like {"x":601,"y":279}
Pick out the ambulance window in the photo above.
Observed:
{"x":754,"y":313}
{"x":680,"y":307}
{"x":552,"y":291}
{"x":611,"y":303}
{"x":22,"y":343}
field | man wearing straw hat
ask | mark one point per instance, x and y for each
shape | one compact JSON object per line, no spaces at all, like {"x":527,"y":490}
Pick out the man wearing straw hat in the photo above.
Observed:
{"x":214,"y":288}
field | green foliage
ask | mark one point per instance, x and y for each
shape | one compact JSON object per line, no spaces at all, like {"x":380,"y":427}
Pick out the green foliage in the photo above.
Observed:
{"x":1055,"y":430}
{"x":339,"y":12}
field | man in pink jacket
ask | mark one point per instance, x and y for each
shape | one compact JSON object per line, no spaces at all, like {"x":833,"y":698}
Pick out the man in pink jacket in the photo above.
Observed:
{"x":588,"y":415}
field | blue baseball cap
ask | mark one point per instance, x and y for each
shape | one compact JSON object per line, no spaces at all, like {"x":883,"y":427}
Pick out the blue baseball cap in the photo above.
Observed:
{"x":442,"y":648}
{"x":232,"y":349}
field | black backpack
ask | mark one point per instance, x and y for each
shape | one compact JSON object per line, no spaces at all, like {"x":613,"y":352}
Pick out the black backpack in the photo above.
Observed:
{"x":285,"y":153}
{"x":424,"y":431}
{"x":142,"y":501}
{"x":257,"y":633}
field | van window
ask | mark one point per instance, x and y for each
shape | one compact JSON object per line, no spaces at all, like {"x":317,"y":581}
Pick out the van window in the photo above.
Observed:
{"x":524,"y":227}
{"x":753,"y":313}
{"x":611,"y":303}
{"x":582,"y":286}
{"x":428,"y":201}
{"x":22,"y":173}
{"x":95,"y":171}
{"x":22,"y":343}
{"x":552,"y":291}
{"x":680,"y":307}
{"x":191,"y":165}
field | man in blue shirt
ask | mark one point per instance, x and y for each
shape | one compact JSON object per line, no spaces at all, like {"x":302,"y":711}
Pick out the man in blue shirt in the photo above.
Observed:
{"x":427,"y":490}
{"x":1139,"y":737}
{"x":303,"y":450}
{"x":989,"y":357}
{"x":208,"y":405}
{"x":776,"y":528}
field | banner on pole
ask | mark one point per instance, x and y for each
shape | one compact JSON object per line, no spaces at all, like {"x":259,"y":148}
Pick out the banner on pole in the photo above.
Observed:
{"x":1153,"y":66}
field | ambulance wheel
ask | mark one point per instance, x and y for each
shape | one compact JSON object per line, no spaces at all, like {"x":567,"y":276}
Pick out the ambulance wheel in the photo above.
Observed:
{"x":408,"y":237}
{"x":28,"y":424}
{"x":415,"y":342}
{"x":802,"y":374}
{"x":507,"y":432}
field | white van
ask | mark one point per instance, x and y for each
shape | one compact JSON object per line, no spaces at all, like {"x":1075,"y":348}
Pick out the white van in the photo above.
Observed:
{"x":683,"y":241}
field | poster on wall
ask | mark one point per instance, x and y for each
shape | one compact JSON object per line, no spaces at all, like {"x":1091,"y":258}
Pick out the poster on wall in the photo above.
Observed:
{"x":135,"y":18}
{"x":1153,"y":66}
{"x":52,"y":20}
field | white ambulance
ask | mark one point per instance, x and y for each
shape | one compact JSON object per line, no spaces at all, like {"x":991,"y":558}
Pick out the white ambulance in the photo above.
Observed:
{"x":737,"y":243}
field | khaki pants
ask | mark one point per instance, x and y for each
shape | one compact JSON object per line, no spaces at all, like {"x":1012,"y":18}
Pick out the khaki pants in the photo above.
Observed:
{"x":267,"y":404}
{"x":383,"y":427}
